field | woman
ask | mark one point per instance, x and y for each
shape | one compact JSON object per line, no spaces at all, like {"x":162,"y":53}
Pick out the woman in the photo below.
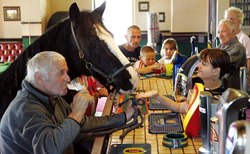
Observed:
{"x":214,"y":64}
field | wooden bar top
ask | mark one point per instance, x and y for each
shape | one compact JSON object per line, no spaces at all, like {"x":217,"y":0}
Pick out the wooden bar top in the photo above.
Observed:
{"x":142,"y":135}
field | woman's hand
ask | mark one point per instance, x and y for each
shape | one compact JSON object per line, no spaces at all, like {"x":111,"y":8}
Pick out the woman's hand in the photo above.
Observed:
{"x":147,"y":94}
{"x":181,"y":99}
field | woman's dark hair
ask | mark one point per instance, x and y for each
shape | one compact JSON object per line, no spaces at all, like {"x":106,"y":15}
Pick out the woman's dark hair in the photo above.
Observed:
{"x":217,"y":58}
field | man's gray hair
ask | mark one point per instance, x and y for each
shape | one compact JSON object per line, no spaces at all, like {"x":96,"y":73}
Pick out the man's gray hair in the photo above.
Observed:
{"x":230,"y":24}
{"x":234,"y":10}
{"x":42,"y":63}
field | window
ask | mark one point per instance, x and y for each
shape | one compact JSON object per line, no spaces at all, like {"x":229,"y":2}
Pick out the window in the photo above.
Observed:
{"x":117,"y":17}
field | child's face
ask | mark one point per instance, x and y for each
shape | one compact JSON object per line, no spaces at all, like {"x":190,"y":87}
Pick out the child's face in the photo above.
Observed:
{"x":169,"y":50}
{"x":148,"y":58}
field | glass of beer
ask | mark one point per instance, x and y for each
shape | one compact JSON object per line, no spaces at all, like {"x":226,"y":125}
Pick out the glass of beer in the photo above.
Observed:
{"x":157,"y":69}
{"x":76,"y":85}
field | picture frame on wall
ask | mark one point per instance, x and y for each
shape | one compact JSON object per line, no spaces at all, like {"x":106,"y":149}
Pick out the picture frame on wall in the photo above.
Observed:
{"x":11,"y":13}
{"x":143,"y":6}
{"x":161,"y":17}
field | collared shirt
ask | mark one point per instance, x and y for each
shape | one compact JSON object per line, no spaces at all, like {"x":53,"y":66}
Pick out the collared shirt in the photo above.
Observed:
{"x":245,"y":41}
{"x":237,"y":53}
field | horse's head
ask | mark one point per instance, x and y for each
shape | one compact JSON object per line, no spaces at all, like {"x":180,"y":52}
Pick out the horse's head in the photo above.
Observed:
{"x":99,"y":56}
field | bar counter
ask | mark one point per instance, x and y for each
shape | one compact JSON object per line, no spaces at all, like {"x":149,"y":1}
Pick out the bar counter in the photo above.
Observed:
{"x":142,"y":135}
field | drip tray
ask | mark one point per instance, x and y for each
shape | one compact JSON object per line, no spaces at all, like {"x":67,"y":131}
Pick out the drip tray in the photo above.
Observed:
{"x":156,"y":105}
{"x":162,"y":123}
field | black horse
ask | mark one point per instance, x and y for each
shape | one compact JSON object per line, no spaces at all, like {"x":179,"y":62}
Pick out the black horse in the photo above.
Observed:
{"x":88,"y":47}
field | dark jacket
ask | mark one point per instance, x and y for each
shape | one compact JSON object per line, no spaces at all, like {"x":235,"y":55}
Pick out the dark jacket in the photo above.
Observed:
{"x":31,"y":124}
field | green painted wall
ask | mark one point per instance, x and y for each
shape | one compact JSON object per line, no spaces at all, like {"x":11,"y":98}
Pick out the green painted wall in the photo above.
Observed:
{"x":183,"y":42}
{"x":26,"y":41}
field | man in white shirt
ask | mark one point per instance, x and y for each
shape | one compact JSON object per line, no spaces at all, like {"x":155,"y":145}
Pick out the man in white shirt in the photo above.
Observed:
{"x":237,"y":16}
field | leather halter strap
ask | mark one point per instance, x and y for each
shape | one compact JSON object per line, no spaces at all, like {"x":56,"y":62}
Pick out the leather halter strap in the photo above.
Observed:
{"x":91,"y":68}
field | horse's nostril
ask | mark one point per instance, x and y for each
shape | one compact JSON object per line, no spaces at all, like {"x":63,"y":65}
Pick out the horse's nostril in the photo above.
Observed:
{"x":135,"y":89}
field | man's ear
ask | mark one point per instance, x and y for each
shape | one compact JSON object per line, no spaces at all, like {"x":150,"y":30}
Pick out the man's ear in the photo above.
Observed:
{"x":239,"y":21}
{"x":234,"y":31}
{"x":39,"y":78}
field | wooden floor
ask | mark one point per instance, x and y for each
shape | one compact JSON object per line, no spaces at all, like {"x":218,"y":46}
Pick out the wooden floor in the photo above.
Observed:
{"x":141,"y":135}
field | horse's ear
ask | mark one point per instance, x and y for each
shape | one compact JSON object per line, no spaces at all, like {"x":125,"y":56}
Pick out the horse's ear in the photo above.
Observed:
{"x":100,"y":9}
{"x":74,"y":11}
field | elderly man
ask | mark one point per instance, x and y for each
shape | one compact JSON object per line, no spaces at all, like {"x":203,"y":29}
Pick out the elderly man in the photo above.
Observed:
{"x":131,"y":48}
{"x":237,"y":16}
{"x":39,"y":120}
{"x":237,"y":52}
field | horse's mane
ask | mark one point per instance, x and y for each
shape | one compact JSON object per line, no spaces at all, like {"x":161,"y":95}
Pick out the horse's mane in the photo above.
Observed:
{"x":10,"y":80}
{"x":86,"y":28}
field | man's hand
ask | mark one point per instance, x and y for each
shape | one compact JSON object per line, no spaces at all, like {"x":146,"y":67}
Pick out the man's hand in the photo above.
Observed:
{"x":129,"y":112}
{"x":103,"y":92}
{"x":80,"y":103}
{"x":163,"y":69}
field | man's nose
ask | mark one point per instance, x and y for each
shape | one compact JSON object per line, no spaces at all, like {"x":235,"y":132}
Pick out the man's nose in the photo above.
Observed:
{"x":67,"y":78}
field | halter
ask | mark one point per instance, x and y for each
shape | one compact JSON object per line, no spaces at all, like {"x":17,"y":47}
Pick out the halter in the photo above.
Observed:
{"x":91,"y":68}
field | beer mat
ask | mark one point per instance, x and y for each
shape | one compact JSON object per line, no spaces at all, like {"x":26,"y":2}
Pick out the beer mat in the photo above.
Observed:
{"x":154,"y":104}
{"x":124,"y":97}
{"x":140,"y":148}
{"x":162,"y":123}
{"x":151,"y":75}
{"x":146,"y":76}
{"x":163,"y":76}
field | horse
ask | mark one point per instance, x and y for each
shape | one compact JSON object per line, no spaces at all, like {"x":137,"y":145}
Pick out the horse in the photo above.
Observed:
{"x":88,"y":48}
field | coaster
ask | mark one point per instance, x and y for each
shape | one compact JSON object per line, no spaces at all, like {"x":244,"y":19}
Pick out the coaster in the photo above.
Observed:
{"x":140,"y":148}
{"x":156,"y":105}
{"x":162,"y":123}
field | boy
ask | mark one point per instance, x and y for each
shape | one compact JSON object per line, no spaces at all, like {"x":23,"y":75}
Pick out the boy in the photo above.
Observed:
{"x":147,"y":62}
